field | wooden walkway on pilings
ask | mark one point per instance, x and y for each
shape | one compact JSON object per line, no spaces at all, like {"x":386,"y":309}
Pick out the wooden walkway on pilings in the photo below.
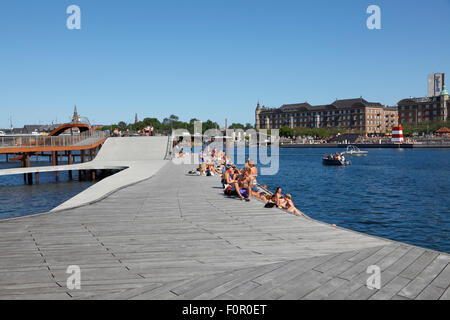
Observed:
{"x":176,"y":236}
{"x":58,"y":148}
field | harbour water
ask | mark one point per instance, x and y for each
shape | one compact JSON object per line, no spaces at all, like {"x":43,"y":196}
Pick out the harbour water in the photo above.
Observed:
{"x":398,"y":194}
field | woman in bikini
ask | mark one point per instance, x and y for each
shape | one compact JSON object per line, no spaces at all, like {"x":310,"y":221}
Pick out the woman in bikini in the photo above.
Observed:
{"x":289,"y":205}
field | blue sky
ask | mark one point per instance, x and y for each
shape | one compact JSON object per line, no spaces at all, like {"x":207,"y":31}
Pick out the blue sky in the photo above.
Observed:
{"x":211,"y":59}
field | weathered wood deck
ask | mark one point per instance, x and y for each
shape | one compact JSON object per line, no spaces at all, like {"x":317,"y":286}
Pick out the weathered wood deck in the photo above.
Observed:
{"x":177,"y":237}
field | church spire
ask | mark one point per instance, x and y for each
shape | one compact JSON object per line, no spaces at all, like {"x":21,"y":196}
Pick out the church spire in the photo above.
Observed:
{"x":75,"y":117}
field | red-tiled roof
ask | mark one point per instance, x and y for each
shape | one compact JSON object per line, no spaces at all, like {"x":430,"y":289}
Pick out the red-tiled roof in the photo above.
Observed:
{"x":443,"y":130}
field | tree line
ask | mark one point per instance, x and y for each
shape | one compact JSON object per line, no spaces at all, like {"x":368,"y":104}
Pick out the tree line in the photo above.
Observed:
{"x":426,"y":127}
{"x":168,"y":124}
{"x":289,"y":132}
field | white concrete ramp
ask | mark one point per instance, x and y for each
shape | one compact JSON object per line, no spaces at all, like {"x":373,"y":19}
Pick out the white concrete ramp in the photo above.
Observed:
{"x":141,"y":156}
{"x":133,"y":149}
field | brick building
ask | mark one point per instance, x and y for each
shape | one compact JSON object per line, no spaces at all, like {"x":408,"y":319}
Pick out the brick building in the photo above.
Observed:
{"x":351,"y":114}
{"x":424,"y":109}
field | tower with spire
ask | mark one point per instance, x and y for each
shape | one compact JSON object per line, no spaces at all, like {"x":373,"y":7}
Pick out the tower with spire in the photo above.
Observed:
{"x":257,"y":120}
{"x":75,"y":117}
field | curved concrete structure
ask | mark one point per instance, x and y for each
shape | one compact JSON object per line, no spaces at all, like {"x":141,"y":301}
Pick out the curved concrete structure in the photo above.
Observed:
{"x":141,"y":157}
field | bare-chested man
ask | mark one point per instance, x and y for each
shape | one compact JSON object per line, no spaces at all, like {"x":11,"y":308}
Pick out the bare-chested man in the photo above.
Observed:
{"x":243,"y":185}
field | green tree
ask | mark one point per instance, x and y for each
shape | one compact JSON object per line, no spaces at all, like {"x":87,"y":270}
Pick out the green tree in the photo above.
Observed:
{"x":248,"y":126}
{"x":286,"y":132}
{"x":236,"y":126}
{"x":209,"y":125}
{"x":122,"y":126}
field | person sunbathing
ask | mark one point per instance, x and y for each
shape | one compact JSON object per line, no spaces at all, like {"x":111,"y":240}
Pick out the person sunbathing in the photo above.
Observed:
{"x":229,"y":176}
{"x":289,"y":205}
{"x":274,"y":200}
{"x":212,"y":168}
{"x":202,"y":168}
{"x":243,"y":185}
{"x":223,"y":162}
{"x":254,"y":173}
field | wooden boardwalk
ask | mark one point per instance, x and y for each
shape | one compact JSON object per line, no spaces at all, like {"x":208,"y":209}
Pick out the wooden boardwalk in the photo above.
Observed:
{"x":176,"y":236}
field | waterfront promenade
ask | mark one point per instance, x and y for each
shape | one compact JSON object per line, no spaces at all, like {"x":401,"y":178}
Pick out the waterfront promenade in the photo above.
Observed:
{"x":176,"y":236}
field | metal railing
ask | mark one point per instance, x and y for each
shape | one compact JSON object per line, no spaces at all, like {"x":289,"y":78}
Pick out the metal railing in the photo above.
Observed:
{"x":85,"y":138}
{"x":169,"y":149}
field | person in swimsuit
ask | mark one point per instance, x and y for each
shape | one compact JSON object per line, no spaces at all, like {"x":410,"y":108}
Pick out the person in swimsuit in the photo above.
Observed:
{"x":243,"y":185}
{"x":289,"y":205}
{"x":276,"y":198}
{"x":254,"y":174}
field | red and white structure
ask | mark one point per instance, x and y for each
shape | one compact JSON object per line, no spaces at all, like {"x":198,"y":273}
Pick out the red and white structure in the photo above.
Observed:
{"x":397,"y":134}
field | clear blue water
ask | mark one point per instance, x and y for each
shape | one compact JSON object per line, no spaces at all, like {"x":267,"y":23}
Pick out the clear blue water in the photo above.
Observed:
{"x":399,"y":194}
{"x":19,"y":199}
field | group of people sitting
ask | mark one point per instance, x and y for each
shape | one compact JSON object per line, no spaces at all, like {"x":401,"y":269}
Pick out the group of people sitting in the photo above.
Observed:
{"x":336,"y":156}
{"x":241,"y":182}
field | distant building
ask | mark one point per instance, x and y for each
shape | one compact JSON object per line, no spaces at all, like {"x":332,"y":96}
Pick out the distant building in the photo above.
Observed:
{"x":417,"y":110}
{"x":351,"y":114}
{"x":30,"y":128}
{"x":436,"y":83}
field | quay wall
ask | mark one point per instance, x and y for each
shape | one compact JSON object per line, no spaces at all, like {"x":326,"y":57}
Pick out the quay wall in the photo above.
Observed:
{"x":361,"y":145}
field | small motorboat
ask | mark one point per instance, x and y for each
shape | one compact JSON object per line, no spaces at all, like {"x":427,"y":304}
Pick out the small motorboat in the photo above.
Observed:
{"x":353,"y":150}
{"x":335,"y":162}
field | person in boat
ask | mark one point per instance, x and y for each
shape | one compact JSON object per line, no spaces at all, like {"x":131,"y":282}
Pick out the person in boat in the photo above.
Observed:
{"x":289,"y":205}
{"x":337,"y":156}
